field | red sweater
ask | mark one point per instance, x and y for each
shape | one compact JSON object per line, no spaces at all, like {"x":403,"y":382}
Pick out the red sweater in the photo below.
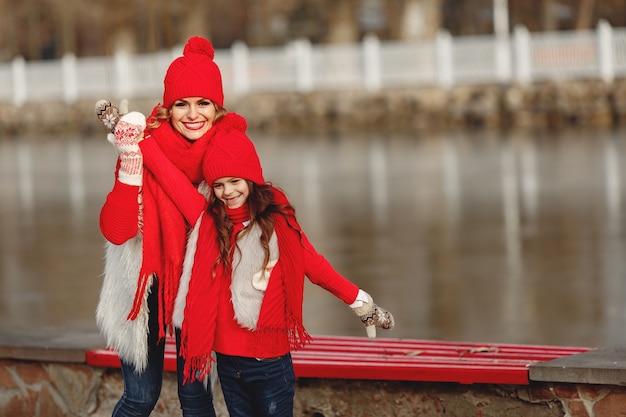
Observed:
{"x":231,"y":338}
{"x":119,"y":214}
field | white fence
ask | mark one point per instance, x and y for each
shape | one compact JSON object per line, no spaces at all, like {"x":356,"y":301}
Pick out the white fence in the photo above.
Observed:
{"x":446,"y":61}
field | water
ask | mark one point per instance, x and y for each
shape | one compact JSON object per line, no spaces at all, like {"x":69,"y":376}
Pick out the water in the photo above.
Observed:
{"x":464,"y":236}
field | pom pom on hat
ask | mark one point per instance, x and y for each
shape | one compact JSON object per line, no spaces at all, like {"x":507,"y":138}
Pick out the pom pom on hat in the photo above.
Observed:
{"x":195,"y":74}
{"x":198,"y":45}
{"x":232,"y":154}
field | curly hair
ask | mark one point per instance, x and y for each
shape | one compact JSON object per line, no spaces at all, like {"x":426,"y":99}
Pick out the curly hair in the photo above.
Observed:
{"x":262,"y":209}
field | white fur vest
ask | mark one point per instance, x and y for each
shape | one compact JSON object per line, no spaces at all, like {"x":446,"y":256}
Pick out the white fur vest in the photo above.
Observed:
{"x":248,"y":281}
{"x":121,"y":272}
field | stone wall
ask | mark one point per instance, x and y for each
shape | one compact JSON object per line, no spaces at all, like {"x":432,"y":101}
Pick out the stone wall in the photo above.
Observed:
{"x":48,"y":389}
{"x":542,"y":106}
{"x":43,"y":373}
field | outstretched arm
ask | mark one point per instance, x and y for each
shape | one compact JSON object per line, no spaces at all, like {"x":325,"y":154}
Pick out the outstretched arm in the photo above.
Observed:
{"x":322,"y":273}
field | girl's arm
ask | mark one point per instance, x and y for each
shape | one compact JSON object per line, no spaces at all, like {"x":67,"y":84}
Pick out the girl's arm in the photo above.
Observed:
{"x":177,"y":186}
{"x":321,"y":272}
{"x":120,"y":213}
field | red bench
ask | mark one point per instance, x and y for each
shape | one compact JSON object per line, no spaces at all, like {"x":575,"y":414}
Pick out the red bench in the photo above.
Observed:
{"x":399,"y":360}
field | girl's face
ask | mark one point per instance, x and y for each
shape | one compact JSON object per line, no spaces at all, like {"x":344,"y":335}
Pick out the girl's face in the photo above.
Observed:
{"x":232,"y":191}
{"x":192,"y":117}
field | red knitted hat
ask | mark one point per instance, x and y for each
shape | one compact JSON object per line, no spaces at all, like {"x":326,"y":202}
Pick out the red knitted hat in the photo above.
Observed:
{"x":194,"y":74}
{"x":232,"y":154}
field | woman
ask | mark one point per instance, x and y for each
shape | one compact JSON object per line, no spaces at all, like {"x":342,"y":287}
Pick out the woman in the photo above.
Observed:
{"x":248,"y":251}
{"x":146,"y":234}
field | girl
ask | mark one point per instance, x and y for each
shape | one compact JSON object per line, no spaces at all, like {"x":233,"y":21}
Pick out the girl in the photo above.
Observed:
{"x":248,"y":251}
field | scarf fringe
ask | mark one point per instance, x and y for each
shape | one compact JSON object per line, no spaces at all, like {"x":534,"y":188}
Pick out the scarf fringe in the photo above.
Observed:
{"x":142,"y":284}
{"x":299,"y":337}
{"x":198,"y":368}
{"x":168,"y":291}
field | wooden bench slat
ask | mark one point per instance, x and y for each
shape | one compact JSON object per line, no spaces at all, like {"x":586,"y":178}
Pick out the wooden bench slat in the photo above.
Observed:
{"x":355,"y":357}
{"x":418,"y":350}
{"x":346,"y":342}
{"x":440,"y":372}
{"x":315,"y":356}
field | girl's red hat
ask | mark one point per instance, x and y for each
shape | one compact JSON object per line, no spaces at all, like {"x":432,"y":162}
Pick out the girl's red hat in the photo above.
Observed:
{"x":232,"y":154}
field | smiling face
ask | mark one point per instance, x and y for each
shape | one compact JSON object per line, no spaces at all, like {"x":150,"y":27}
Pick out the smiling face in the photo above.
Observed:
{"x":192,"y":117}
{"x":232,"y":191}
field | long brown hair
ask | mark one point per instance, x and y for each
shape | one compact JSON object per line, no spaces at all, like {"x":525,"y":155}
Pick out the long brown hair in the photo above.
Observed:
{"x":262,"y":207}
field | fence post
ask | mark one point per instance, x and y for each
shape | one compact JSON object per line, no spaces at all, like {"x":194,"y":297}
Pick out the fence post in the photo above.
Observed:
{"x":443,"y":50}
{"x":241,"y":80}
{"x":304,"y":64}
{"x":503,"y":58}
{"x":371,"y":62}
{"x":70,"y":84}
{"x":122,"y":81}
{"x":18,"y":68}
{"x":605,"y":51}
{"x":503,"y":40}
{"x":521,"y":48}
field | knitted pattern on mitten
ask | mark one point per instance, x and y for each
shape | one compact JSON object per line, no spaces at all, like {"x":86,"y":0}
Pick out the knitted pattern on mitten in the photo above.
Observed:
{"x":128,"y":132}
{"x":373,"y":315}
{"x":108,"y":114}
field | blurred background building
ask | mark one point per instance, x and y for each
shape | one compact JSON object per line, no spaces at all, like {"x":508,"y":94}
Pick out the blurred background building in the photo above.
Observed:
{"x":48,"y":29}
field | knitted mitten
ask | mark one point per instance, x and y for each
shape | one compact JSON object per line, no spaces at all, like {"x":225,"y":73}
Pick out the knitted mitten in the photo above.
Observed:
{"x":128,"y":133}
{"x":108,"y":114}
{"x":371,"y":315}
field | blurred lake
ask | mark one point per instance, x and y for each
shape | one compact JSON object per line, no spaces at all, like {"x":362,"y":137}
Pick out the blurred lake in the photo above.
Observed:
{"x":514,"y":237}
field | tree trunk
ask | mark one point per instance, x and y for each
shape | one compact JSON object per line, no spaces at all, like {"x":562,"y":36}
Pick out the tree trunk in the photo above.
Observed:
{"x":549,"y":20}
{"x":584,"y":17}
{"x":32,"y":33}
{"x":342,"y":22}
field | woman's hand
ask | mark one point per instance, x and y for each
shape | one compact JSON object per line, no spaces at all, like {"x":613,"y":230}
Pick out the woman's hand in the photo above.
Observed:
{"x":128,"y":133}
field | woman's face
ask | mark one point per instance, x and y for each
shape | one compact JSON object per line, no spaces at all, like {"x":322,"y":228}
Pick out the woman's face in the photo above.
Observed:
{"x":232,"y":191}
{"x":192,"y":117}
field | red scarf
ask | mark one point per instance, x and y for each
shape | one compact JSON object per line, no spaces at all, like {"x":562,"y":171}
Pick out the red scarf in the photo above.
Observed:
{"x":281,"y":311}
{"x":238,"y":217}
{"x":164,"y":229}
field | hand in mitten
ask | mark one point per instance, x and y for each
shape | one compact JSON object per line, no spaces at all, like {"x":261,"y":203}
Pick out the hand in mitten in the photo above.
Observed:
{"x":371,"y":315}
{"x":108,"y":114}
{"x":128,"y":133}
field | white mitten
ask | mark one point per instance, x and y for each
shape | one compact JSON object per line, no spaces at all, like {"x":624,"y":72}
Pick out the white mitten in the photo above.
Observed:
{"x":371,"y":315}
{"x":128,"y":133}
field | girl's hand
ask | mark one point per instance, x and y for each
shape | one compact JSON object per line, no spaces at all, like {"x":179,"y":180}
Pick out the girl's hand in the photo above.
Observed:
{"x":372,"y":315}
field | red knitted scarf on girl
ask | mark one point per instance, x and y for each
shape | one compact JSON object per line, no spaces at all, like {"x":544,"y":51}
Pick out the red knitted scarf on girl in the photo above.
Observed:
{"x":164,"y":229}
{"x":281,"y":311}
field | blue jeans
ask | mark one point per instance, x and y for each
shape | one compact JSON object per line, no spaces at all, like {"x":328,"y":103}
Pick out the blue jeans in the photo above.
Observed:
{"x":142,"y":390}
{"x":257,"y":388}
